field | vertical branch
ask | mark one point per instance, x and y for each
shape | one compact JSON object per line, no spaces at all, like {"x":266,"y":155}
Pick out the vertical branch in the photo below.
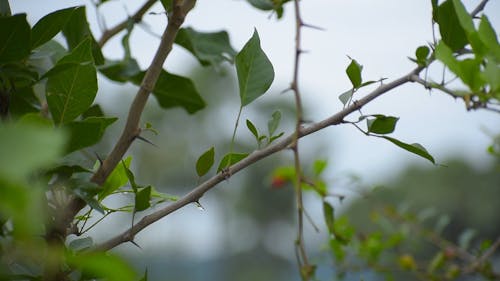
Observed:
{"x":304,"y":266}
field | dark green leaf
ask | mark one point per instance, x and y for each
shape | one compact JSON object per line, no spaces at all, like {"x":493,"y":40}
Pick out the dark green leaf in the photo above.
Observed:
{"x":413,"y":148}
{"x":210,"y":48}
{"x":102,"y":265}
{"x":265,"y":5}
{"x":142,"y":199}
{"x":87,"y":132}
{"x":77,"y":30}
{"x":16,"y":38}
{"x":48,"y":26}
{"x":67,"y":171}
{"x":130,"y":177}
{"x":24,"y":101}
{"x":167,"y":5}
{"x":230,"y":159}
{"x":328,"y":213}
{"x":17,"y":75}
{"x":71,"y":91}
{"x":4,"y":8}
{"x":93,"y":111}
{"x":382,"y":124}
{"x":116,"y":179}
{"x":450,"y":29}
{"x":173,"y":90}
{"x":253,"y":129}
{"x":121,"y":71}
{"x":205,"y":162}
{"x":274,"y":122}
{"x":81,"y":243}
{"x":354,"y":73}
{"x":255,"y":71}
{"x":346,"y":96}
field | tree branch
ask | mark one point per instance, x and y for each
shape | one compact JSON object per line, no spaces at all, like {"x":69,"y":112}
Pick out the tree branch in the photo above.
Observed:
{"x":255,"y":156}
{"x":131,"y":130}
{"x":137,"y":17}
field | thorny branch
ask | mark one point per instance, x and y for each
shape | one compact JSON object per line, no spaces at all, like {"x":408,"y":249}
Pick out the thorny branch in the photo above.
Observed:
{"x":131,"y":130}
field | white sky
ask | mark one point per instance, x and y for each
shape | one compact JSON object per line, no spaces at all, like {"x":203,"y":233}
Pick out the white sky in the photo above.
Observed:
{"x":378,"y":34}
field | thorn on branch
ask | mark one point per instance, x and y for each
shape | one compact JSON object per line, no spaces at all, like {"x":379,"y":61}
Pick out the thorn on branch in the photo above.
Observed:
{"x":135,"y":244}
{"x":146,"y":141}
{"x":98,"y":158}
{"x":312,"y":26}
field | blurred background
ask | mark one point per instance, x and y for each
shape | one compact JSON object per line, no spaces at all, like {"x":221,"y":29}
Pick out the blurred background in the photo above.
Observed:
{"x":246,"y":228}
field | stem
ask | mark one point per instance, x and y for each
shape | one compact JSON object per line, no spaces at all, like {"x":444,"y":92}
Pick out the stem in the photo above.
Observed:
{"x":231,"y":145}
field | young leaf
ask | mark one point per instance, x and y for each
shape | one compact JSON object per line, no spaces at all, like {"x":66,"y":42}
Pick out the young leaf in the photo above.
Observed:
{"x":346,"y":96}
{"x":488,"y":36}
{"x":48,"y":26}
{"x":87,"y":132}
{"x":255,"y":71}
{"x":382,"y":124}
{"x":354,"y":73}
{"x":413,"y":148}
{"x":319,"y":166}
{"x":274,"y":122}
{"x":234,"y":157}
{"x":421,"y":54}
{"x":251,"y":127}
{"x":16,"y":36}
{"x":142,"y":199}
{"x":205,"y":162}
{"x":328,"y":213}
{"x":117,"y":179}
{"x":210,"y":48}
{"x":81,"y":243}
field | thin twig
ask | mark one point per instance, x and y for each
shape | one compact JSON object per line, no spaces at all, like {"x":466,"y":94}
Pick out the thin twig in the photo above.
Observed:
{"x":137,"y":17}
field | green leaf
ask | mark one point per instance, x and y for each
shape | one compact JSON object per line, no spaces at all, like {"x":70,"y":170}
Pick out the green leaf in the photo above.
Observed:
{"x":319,"y":166}
{"x":77,"y":30}
{"x":93,"y":111}
{"x":488,"y":36}
{"x":175,"y":91}
{"x":142,"y":199}
{"x":274,"y":122}
{"x":251,"y":127}
{"x":205,"y":162}
{"x":413,"y":148}
{"x":102,"y":265}
{"x":116,"y":179}
{"x":81,"y":243}
{"x":450,"y":28}
{"x":87,"y":132}
{"x":328,"y":213}
{"x":255,"y":71}
{"x":265,"y":5}
{"x":72,"y":89}
{"x":26,"y":148}
{"x":167,"y":5}
{"x":422,"y":53}
{"x":445,"y":55}
{"x":210,"y":48}
{"x":346,"y":96}
{"x":354,"y":73}
{"x":231,"y":159}
{"x":48,"y":26}
{"x":4,"y":8}
{"x":382,"y":124}
{"x":16,"y":38}
{"x":120,"y":71}
{"x":465,"y":20}
{"x":491,"y":74}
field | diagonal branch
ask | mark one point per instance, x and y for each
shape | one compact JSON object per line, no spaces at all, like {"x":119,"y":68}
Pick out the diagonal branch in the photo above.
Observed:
{"x":255,"y":156}
{"x":137,"y":17}
{"x":131,"y":130}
